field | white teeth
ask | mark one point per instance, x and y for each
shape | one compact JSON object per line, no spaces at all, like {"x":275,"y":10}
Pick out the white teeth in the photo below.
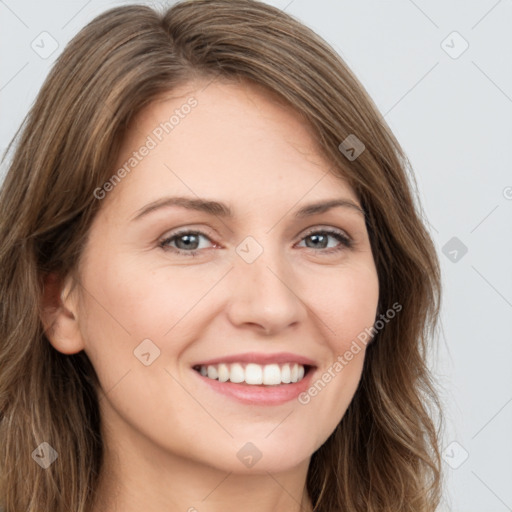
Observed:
{"x":237,"y":373}
{"x":223,"y":372}
{"x":285,"y":374}
{"x":271,"y":374}
{"x":295,"y":373}
{"x":212,"y":372}
{"x":254,"y":374}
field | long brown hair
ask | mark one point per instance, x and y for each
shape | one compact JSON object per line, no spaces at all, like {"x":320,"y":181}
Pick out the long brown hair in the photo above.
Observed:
{"x":384,"y":454}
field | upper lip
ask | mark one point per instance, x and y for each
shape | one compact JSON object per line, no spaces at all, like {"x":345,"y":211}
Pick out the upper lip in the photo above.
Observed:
{"x":259,"y":358}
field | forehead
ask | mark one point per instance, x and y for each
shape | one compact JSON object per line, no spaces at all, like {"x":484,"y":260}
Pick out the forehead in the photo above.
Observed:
{"x":234,"y":109}
{"x":235,"y":141}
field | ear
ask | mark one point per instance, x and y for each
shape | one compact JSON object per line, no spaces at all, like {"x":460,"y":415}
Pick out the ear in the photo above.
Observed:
{"x":59,"y":314}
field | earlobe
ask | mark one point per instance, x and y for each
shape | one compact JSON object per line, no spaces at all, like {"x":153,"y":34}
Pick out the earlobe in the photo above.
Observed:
{"x":59,"y":315}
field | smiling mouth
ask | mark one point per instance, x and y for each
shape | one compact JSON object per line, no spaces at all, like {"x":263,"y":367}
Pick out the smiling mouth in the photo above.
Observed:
{"x":255,"y":374}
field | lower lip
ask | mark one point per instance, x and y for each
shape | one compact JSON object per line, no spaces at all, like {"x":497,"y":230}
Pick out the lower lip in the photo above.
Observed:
{"x":260,"y":394}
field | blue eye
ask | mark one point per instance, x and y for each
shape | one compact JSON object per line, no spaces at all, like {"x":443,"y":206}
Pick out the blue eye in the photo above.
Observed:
{"x":188,"y":242}
{"x":321,"y":239}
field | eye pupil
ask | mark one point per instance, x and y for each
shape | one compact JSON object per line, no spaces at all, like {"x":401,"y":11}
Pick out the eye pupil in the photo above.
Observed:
{"x":317,"y":237}
{"x":189,"y":241}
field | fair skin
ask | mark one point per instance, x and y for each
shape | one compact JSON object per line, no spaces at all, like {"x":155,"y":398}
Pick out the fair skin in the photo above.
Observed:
{"x":172,"y":439}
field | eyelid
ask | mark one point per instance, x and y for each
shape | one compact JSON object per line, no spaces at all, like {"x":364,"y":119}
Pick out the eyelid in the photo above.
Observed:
{"x":327,"y":229}
{"x":204,"y":230}
{"x":201,"y":231}
{"x":185,"y":231}
{"x":341,"y":235}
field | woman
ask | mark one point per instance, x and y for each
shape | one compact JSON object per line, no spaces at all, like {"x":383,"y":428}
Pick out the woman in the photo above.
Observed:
{"x":217,"y":289}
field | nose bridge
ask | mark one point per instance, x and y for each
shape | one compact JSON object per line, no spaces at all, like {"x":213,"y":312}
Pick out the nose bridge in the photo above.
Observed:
{"x":263,"y":291}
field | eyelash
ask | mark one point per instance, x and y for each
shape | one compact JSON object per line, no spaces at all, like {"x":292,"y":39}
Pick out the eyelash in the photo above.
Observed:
{"x":346,"y":242}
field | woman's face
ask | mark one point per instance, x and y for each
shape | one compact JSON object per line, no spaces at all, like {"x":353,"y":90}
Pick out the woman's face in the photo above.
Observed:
{"x":169,"y":286}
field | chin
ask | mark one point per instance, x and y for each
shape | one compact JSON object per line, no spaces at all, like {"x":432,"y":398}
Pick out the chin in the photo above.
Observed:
{"x":263,"y":456}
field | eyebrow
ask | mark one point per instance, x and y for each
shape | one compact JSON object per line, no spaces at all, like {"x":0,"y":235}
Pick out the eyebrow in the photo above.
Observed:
{"x":223,"y":210}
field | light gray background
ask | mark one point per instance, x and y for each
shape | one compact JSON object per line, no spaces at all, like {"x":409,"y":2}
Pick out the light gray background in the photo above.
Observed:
{"x":453,"y":118}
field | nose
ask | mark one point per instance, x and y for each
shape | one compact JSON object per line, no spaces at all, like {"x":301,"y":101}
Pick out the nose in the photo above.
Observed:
{"x":263,"y":294}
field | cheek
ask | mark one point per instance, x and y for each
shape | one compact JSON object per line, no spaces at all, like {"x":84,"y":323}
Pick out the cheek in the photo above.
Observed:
{"x":126,"y":302}
{"x":141,"y":299}
{"x":346,"y":303}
